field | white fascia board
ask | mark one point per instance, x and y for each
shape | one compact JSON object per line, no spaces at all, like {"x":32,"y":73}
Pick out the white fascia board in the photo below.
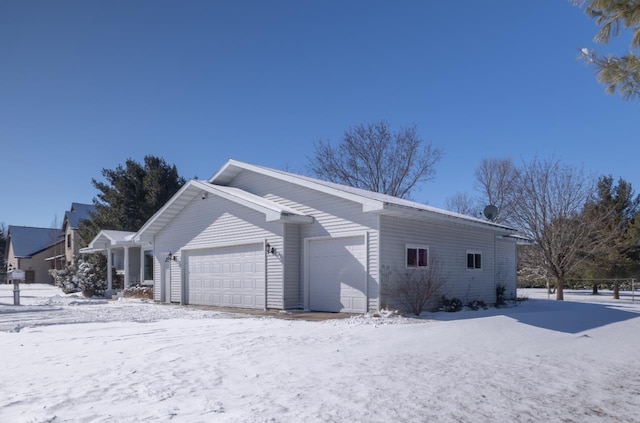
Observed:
{"x":296,"y":218}
{"x":226,"y":169}
{"x":372,"y":206}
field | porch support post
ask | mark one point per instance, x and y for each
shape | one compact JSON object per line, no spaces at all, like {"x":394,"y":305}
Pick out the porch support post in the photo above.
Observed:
{"x":109,"y":265}
{"x":141,"y":281}
{"x":126,"y":267}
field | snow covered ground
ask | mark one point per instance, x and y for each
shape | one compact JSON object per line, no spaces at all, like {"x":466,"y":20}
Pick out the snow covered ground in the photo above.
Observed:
{"x":70,"y":359}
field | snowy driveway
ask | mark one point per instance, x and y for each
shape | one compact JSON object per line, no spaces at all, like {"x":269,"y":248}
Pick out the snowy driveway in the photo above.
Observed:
{"x":69,"y":359}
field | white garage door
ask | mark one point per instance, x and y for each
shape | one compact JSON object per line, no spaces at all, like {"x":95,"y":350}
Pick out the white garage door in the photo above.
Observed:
{"x":229,"y":276}
{"x":337,"y":274}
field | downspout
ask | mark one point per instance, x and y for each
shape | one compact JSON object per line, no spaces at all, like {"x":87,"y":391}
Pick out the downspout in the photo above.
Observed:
{"x":495,"y":267}
{"x":266,"y":259}
{"x":183,"y":285}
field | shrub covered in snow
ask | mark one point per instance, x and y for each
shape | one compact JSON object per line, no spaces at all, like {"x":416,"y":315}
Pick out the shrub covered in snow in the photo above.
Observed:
{"x":87,"y":274}
{"x":66,"y":278}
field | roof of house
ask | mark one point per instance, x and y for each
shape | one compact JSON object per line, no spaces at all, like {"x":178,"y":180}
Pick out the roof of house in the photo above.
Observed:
{"x":78,"y":212}
{"x":109,"y":238}
{"x":27,"y":241}
{"x":371,"y":201}
{"x":194,"y":188}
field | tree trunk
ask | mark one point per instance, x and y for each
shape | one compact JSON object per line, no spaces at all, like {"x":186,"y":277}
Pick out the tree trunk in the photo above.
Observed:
{"x":560,"y":289}
{"x":616,"y":290}
{"x":595,"y":288}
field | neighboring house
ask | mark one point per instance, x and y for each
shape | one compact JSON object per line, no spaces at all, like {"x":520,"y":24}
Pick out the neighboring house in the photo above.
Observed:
{"x":256,"y":237}
{"x":70,"y":225}
{"x":34,"y":250}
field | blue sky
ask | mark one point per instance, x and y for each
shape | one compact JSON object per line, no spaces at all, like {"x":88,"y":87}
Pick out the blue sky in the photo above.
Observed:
{"x":84,"y":85}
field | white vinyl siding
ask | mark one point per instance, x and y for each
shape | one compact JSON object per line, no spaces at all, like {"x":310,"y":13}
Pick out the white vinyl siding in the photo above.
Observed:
{"x":506,"y":266}
{"x":448,"y":244}
{"x":157,"y":280}
{"x":216,"y":222}
{"x":333,"y":216}
{"x":176,"y":282}
{"x":292,"y":259}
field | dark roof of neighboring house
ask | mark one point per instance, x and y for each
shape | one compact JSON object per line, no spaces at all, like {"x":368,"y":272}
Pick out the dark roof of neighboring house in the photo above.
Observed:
{"x":28,"y":241}
{"x":78,"y":212}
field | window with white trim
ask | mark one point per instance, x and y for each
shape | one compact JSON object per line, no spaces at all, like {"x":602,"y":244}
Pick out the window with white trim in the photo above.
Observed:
{"x":416,"y":256}
{"x":474,"y":260}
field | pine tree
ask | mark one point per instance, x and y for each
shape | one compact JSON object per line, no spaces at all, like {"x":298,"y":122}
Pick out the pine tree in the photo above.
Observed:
{"x":617,"y":73}
{"x":618,"y":257}
{"x":130,"y":195}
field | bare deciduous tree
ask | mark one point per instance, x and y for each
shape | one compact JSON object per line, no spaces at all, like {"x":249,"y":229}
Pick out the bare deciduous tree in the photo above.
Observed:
{"x":374,"y":158}
{"x":495,"y":181}
{"x":462,"y":203}
{"x":550,"y":200}
{"x":417,"y":290}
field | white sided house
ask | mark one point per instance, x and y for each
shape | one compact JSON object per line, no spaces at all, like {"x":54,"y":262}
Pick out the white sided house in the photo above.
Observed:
{"x":255,"y":237}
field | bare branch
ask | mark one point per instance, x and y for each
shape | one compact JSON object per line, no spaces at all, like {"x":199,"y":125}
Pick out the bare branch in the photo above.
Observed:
{"x":374,"y":158}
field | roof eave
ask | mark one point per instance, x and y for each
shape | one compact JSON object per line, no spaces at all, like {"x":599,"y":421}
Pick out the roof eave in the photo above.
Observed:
{"x":395,"y":208}
{"x":233,"y":167}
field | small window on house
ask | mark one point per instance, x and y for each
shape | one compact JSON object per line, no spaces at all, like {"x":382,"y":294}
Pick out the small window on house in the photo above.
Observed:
{"x":148,"y":265}
{"x":69,"y":241}
{"x":474,"y":260}
{"x":417,"y":256}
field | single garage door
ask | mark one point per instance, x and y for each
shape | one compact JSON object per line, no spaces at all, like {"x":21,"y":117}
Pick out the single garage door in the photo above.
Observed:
{"x":228,"y":276}
{"x":337,"y":274}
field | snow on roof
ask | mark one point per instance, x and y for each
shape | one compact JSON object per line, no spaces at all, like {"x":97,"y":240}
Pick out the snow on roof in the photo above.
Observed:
{"x":233,"y":167}
{"x":78,"y":212}
{"x":27,"y":240}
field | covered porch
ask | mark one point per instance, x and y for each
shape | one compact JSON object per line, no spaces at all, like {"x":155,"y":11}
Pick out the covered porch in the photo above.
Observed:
{"x":128,"y":260}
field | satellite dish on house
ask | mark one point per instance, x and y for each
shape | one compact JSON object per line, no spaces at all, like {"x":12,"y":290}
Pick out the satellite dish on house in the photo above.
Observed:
{"x":490,"y":212}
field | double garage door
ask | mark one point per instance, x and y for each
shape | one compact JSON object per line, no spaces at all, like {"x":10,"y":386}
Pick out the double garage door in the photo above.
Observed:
{"x":227,"y":276}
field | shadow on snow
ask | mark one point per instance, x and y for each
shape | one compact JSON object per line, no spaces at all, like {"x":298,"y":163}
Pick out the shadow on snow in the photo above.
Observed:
{"x":560,"y":316}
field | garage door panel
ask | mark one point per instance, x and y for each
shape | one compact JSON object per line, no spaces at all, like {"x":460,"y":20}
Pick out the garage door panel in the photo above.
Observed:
{"x":230,"y":276}
{"x":337,"y":274}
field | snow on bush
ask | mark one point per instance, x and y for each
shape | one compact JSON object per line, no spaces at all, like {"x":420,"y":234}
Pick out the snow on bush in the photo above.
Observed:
{"x":87,"y":275}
